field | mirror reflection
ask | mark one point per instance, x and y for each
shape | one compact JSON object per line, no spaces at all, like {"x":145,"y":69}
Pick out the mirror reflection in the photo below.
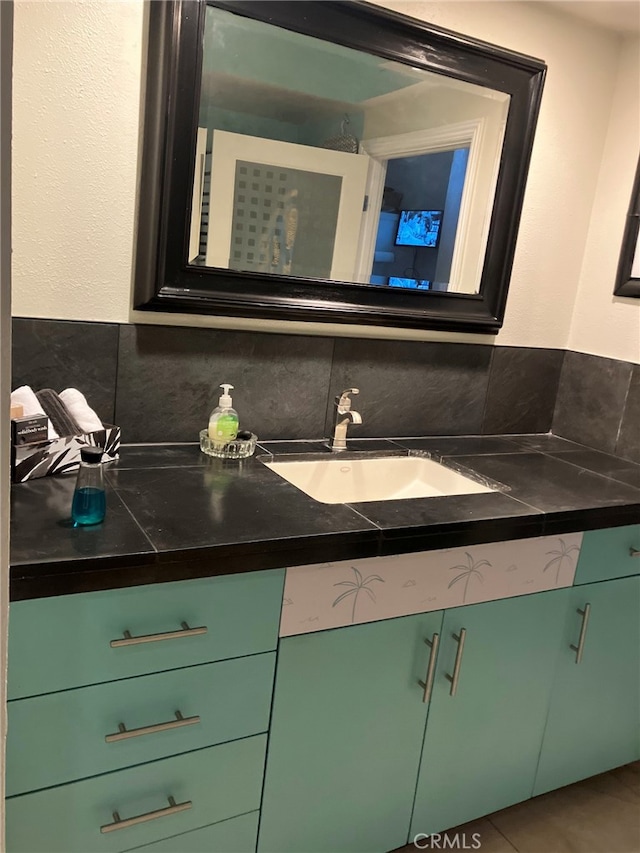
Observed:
{"x":318,"y":161}
{"x":635,"y":264}
{"x":628,"y":274}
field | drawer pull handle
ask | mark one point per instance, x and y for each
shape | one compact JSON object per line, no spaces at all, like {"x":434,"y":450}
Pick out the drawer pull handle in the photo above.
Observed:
{"x":128,"y":640}
{"x":427,"y":684}
{"x":579,"y":649}
{"x":459,"y":638}
{"x":634,"y":552}
{"x":123,"y":733}
{"x":172,"y":808}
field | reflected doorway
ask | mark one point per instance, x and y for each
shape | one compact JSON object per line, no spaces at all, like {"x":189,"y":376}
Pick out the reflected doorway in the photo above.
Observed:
{"x":418,"y":220}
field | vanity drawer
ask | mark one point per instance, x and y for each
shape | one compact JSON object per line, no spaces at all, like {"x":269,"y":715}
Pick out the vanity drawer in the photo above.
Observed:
{"x":212,"y":785}
{"x":327,"y":595}
{"x":60,"y":737}
{"x":236,"y":835}
{"x":608,"y":554}
{"x":63,"y":642}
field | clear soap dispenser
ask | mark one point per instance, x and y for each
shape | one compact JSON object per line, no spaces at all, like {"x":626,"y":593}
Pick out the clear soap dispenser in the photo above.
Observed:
{"x":223,"y":421}
{"x":89,"y":499}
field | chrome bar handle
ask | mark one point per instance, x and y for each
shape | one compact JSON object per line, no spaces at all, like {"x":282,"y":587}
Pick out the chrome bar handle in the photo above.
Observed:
{"x":459,"y":638}
{"x":427,"y":684}
{"x":634,"y":552}
{"x":124,"y":733}
{"x":128,"y":640}
{"x":579,"y":649}
{"x":172,"y":808}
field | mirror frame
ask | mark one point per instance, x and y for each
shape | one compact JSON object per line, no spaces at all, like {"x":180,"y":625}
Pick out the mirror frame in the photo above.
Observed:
{"x":625,"y":285}
{"x":164,"y":281}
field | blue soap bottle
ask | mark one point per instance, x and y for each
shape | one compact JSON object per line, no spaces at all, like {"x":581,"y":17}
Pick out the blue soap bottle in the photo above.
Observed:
{"x":89,"y":499}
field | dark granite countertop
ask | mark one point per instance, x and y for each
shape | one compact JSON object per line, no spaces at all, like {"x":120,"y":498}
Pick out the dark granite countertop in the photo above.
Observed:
{"x":174,"y":513}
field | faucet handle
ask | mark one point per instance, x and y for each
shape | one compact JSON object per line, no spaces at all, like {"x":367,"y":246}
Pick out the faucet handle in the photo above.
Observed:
{"x":343,"y":401}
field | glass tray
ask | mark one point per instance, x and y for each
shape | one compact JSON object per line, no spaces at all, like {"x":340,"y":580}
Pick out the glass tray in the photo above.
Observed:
{"x":238,"y":449}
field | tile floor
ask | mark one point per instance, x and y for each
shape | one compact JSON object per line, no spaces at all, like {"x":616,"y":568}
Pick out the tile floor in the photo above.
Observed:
{"x":598,"y":815}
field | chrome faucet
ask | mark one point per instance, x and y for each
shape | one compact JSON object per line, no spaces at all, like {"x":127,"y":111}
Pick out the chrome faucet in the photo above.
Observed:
{"x":342,"y":417}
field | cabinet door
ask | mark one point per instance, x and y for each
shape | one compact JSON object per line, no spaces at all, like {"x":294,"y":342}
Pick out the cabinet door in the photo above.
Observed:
{"x":235,"y":835}
{"x":208,"y":786}
{"x":80,"y":639}
{"x":594,"y":719}
{"x":320,"y":208}
{"x":75,"y":734}
{"x":608,"y":554}
{"x":347,"y":727}
{"x":483,"y":738}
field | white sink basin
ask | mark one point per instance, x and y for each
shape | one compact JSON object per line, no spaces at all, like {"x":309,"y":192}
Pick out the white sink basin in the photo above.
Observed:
{"x":338,"y":480}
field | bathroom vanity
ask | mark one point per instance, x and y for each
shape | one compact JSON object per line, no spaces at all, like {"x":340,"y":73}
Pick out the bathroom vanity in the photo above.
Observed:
{"x":227,"y":664}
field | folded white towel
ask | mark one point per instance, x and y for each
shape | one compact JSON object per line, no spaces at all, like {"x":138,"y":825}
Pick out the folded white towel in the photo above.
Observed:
{"x":25,"y":397}
{"x":82,"y":413}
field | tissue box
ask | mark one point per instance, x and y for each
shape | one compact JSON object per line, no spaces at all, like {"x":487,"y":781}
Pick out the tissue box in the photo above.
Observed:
{"x":29,"y":430}
{"x":62,"y":455}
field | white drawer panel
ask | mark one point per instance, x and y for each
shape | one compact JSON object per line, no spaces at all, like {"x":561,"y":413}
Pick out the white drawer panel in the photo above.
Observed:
{"x":330,"y":595}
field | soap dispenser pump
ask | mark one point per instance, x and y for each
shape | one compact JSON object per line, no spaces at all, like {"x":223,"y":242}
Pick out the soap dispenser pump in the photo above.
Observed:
{"x":223,"y":421}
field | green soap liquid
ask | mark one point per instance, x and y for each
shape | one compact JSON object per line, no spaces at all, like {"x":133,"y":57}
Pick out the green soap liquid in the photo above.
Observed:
{"x":224,"y":428}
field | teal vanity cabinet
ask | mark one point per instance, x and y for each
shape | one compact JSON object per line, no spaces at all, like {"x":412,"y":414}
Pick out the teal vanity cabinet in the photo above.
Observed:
{"x":488,"y":710}
{"x":347,"y":728}
{"x":151,"y":802}
{"x":609,"y":554}
{"x":349,"y":721}
{"x":234,"y":835}
{"x":138,"y":717}
{"x":73,"y":640}
{"x":359,"y":762}
{"x":594,"y":716}
{"x":219,"y":702}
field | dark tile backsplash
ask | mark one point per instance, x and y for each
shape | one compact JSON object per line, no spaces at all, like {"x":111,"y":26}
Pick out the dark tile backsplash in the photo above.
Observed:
{"x":591,"y":400}
{"x":410,"y":387}
{"x":522,"y":390}
{"x":63,"y":354}
{"x":168,"y":380}
{"x":159,"y":383}
{"x":628,"y":444}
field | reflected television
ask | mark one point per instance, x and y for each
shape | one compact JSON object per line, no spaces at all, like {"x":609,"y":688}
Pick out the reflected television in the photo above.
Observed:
{"x":419,"y":228}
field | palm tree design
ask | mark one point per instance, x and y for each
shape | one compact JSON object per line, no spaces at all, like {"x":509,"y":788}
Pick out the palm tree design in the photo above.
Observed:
{"x":355,"y":588}
{"x":467,"y":572}
{"x":559,"y":557}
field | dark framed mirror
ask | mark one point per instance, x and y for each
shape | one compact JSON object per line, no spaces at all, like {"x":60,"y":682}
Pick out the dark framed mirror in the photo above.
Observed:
{"x":330,"y":162}
{"x":628,"y":275}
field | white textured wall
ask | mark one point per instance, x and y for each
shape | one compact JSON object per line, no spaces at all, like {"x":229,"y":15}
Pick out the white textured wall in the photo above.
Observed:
{"x":77,"y":71}
{"x":602,"y":323}
{"x":77,"y":85}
